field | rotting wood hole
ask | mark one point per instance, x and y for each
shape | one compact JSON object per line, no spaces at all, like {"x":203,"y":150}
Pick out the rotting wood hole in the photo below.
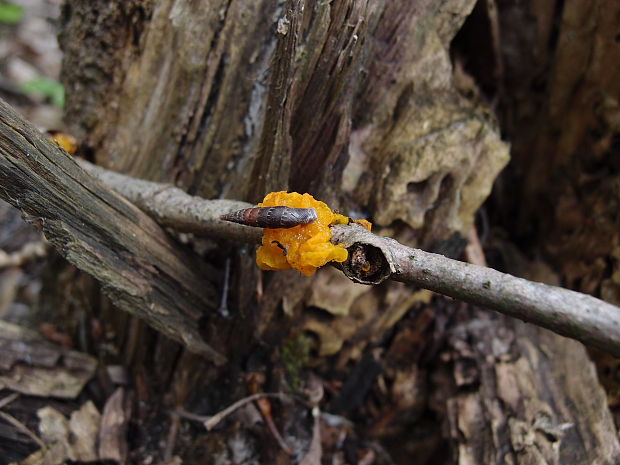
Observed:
{"x":403,"y":102}
{"x":139,"y":17}
{"x":445,"y":186}
{"x":417,"y":188}
{"x":366,"y":264}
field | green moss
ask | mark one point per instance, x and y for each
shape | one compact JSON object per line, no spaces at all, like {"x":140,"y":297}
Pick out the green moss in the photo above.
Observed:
{"x":47,"y":88}
{"x":10,"y":13}
{"x":295,"y":354}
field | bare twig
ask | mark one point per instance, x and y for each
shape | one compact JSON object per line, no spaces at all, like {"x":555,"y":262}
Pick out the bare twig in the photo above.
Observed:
{"x":315,"y":451}
{"x":223,"y":308}
{"x":264,"y":407}
{"x":569,"y":313}
{"x":373,"y":259}
{"x":37,"y":177}
{"x":211,"y":422}
{"x":23,"y":428}
{"x":171,"y":440}
{"x":172,"y":207}
{"x":8,"y":399}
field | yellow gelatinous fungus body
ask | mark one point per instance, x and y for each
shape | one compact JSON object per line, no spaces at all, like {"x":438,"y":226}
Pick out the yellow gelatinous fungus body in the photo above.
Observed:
{"x":305,"y":247}
{"x":364,"y":223}
{"x":66,"y":141}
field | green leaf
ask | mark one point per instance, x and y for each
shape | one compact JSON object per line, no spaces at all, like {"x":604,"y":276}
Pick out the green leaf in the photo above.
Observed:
{"x":10,"y":13}
{"x":47,"y":88}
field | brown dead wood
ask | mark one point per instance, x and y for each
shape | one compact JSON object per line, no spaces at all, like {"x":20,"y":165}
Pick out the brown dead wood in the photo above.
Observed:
{"x":141,"y":268}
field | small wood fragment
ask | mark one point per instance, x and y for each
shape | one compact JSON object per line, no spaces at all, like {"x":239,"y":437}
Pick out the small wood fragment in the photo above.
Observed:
{"x":114,"y":424}
{"x":32,"y":366}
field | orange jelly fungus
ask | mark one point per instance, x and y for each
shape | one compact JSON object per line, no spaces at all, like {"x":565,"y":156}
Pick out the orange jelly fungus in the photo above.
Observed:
{"x":307,"y":246}
{"x":66,"y":141}
{"x":364,"y":223}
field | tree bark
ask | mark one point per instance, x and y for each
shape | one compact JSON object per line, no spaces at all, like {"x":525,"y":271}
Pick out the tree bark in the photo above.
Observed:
{"x":561,"y":111}
{"x":514,"y":393}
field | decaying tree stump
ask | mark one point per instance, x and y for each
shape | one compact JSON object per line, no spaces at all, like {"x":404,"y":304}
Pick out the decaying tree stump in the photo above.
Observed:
{"x":354,"y":102}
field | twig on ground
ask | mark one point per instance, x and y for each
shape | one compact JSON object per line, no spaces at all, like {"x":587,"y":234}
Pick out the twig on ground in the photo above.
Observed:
{"x":171,"y":440}
{"x":223,"y":308}
{"x":211,"y":422}
{"x":372,"y":259}
{"x":315,"y":451}
{"x":8,"y":399}
{"x":23,"y":428}
{"x":264,"y":407}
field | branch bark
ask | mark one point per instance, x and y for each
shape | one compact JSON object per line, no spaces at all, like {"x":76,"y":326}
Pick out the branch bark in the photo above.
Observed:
{"x":372,"y":259}
{"x":141,"y":269}
{"x":170,"y":206}
{"x":565,"y":312}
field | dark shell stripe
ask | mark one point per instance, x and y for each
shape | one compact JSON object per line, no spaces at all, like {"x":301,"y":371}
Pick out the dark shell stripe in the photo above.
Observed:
{"x":272,"y":217}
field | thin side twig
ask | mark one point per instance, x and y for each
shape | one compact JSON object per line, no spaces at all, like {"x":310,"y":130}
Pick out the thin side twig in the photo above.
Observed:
{"x":171,"y":440}
{"x":8,"y":399}
{"x":212,"y":421}
{"x":264,"y":407}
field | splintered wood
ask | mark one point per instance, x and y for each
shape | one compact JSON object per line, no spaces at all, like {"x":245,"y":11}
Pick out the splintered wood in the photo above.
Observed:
{"x":32,"y":366}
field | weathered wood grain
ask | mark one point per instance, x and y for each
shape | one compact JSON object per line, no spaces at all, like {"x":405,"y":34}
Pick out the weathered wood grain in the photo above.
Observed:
{"x":142,"y":270}
{"x":507,"y":401}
